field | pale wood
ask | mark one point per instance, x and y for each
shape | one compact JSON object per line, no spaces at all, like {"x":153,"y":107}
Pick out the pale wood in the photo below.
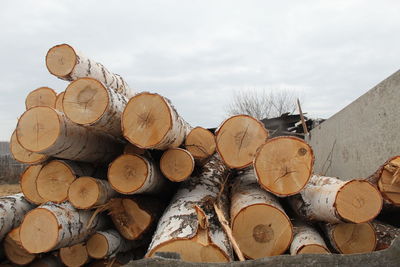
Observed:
{"x":56,"y":176}
{"x":150,"y":121}
{"x":307,"y":240}
{"x":43,"y":96}
{"x":28,"y":184}
{"x":188,"y":225}
{"x":74,"y":256}
{"x":14,"y":250}
{"x":133,"y":174}
{"x":68,"y":64}
{"x":177,"y":164}
{"x":259,"y":223}
{"x":238,"y":139}
{"x":385,"y":233}
{"x":47,"y":131}
{"x":52,"y":226}
{"x":284,"y":165}
{"x":200,"y":142}
{"x":22,"y":155}
{"x":90,"y":103}
{"x":59,"y":101}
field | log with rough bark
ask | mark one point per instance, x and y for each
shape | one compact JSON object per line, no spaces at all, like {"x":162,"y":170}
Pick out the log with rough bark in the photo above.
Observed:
{"x":12,"y":212}
{"x":47,"y":261}
{"x":385,"y":233}
{"x":238,"y":139}
{"x":43,"y":96}
{"x":150,"y":121}
{"x":22,"y":155}
{"x":387,"y":179}
{"x":28,"y":184}
{"x":307,"y":240}
{"x":52,"y":226}
{"x":57,"y":175}
{"x":284,"y":165}
{"x":68,"y":64}
{"x":349,"y":238}
{"x":90,"y":103}
{"x":14,"y":250}
{"x":133,"y":174}
{"x":259,"y":223}
{"x":47,"y":131}
{"x":177,"y":164}
{"x":88,"y":192}
{"x":189,"y":225}
{"x":59,"y":101}
{"x":200,"y":142}
{"x":74,"y":256}
{"x":329,"y":199}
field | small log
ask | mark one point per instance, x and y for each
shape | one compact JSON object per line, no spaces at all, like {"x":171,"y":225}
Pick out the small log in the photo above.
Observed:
{"x":307,"y":240}
{"x":59,"y":101}
{"x":90,"y":103}
{"x":22,"y":155}
{"x":68,"y":64}
{"x":56,"y":176}
{"x":284,"y":165}
{"x":47,"y":131}
{"x":28,"y":184}
{"x":386,"y":234}
{"x":12,"y":212}
{"x":259,"y":223}
{"x":331,"y":200}
{"x":200,"y":142}
{"x":14,"y":250}
{"x":47,"y":261}
{"x":52,"y":226}
{"x":238,"y":139}
{"x":150,"y":121}
{"x":177,"y":164}
{"x":349,"y":238}
{"x":133,"y":174}
{"x":74,"y":256}
{"x":189,"y":226}
{"x":43,"y":96}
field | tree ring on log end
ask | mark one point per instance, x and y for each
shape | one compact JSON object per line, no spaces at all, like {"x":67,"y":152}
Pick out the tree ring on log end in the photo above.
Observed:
{"x":313,"y":249}
{"x":97,"y":246}
{"x":354,"y":238}
{"x":43,"y":96}
{"x":263,"y":233}
{"x":200,"y":142}
{"x":389,"y":182}
{"x":177,"y":164}
{"x":61,"y":60}
{"x":28,"y":184}
{"x":75,"y":255}
{"x":22,"y":155}
{"x":84,"y":192}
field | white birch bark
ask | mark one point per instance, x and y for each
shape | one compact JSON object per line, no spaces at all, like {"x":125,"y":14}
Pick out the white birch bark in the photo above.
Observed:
{"x":116,"y":243}
{"x":12,"y":212}
{"x":305,"y":235}
{"x":386,"y":234}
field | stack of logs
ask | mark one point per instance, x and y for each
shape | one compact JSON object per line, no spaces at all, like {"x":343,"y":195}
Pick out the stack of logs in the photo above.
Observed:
{"x":116,"y":175}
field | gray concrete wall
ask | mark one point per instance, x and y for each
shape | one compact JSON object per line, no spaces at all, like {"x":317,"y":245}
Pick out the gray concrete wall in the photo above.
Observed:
{"x":363,"y":135}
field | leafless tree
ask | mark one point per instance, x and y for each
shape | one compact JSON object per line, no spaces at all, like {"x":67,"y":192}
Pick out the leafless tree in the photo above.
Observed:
{"x":263,"y":104}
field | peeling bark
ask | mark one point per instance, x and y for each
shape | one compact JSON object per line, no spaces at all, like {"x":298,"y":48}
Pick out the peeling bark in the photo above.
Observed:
{"x":386,"y":234}
{"x":305,"y":235}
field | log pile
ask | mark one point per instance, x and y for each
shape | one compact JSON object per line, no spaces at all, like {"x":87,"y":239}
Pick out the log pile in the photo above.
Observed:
{"x":116,"y":175}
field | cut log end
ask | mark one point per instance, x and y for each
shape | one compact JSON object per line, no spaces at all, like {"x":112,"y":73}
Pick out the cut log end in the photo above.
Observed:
{"x":85,"y":100}
{"x":354,"y":238}
{"x":61,"y":60}
{"x":59,"y":102}
{"x":262,"y":230}
{"x":284,"y":165}
{"x":84,"y":192}
{"x":200,"y":142}
{"x":389,"y":183}
{"x":14,"y":251}
{"x":97,"y":246}
{"x":177,"y":164}
{"x":74,"y":256}
{"x":28,"y":184}
{"x":313,"y":249}
{"x":43,"y":96}
{"x":358,"y":201}
{"x":238,"y":139}
{"x":22,"y":155}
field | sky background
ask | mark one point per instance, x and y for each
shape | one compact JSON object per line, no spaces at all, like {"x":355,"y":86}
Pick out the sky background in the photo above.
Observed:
{"x":198,"y":53}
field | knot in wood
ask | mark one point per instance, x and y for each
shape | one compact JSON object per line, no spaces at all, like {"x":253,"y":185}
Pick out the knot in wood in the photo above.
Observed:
{"x":263,"y":233}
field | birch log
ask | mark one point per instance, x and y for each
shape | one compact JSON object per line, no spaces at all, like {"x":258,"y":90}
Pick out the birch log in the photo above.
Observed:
{"x":200,"y":142}
{"x":14,"y":250}
{"x":74,"y":256}
{"x":47,"y":261}
{"x":331,"y":200}
{"x":385,"y":233}
{"x":307,"y":240}
{"x":90,"y":103}
{"x":177,"y":164}
{"x":259,"y":223}
{"x":238,"y":139}
{"x":88,"y":192}
{"x":22,"y":155}
{"x":133,"y":174}
{"x":349,"y":238}
{"x":47,"y":131}
{"x":28,"y":184}
{"x":56,"y":176}
{"x":59,"y":101}
{"x":52,"y":226}
{"x":150,"y":121}
{"x":68,"y":64}
{"x":12,"y":212}
{"x":284,"y":165}
{"x":189,"y":225}
{"x":43,"y":96}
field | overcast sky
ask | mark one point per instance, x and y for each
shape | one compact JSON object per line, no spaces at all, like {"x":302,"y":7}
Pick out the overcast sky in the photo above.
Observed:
{"x":197,"y":53}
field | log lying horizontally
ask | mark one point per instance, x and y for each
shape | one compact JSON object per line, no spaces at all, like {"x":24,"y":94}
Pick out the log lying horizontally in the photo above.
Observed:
{"x":14,"y":250}
{"x":200,"y":142}
{"x":74,"y":256}
{"x":43,"y":96}
{"x":189,"y":225}
{"x":88,"y":102}
{"x":177,"y":164}
{"x":47,"y":131}
{"x":307,"y":240}
{"x":259,"y":223}
{"x":385,"y":233}
{"x":68,"y":64}
{"x":150,"y":121}
{"x":284,"y":165}
{"x":238,"y":139}
{"x":52,"y":226}
{"x":22,"y":155}
{"x":28,"y":184}
{"x":331,"y":200}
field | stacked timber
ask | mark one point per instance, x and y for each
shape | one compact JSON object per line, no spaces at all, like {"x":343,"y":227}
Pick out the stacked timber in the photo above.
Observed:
{"x":43,"y":96}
